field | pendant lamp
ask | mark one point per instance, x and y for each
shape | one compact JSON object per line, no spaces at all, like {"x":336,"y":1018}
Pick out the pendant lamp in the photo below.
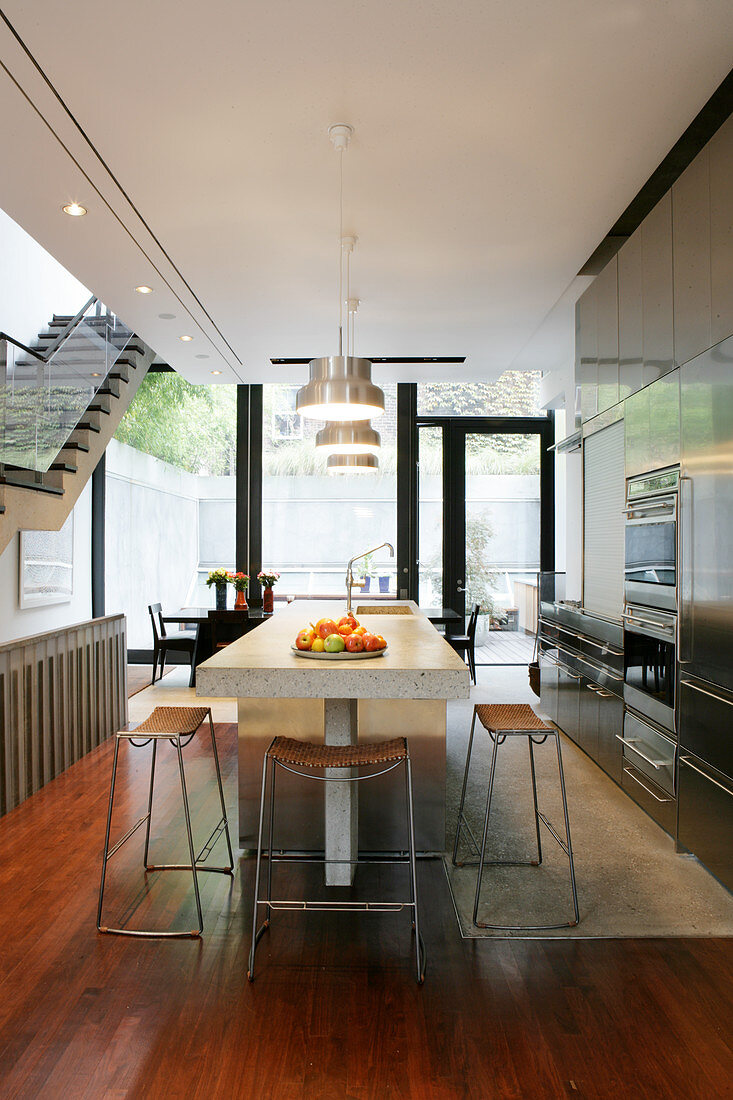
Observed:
{"x":351,"y":438}
{"x":352,"y":464}
{"x":340,"y":387}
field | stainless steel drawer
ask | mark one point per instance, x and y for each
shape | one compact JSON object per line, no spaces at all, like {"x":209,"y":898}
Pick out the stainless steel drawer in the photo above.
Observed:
{"x":706,"y":816}
{"x":706,"y":723}
{"x":649,"y":751}
{"x":658,"y":803}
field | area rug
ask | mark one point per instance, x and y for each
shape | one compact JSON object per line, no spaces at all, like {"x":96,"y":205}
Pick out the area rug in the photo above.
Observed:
{"x":631,"y":881}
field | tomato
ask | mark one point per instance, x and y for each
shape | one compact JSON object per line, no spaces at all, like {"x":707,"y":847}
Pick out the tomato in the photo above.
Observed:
{"x":305,"y":639}
{"x":382,"y":641}
{"x":360,"y":630}
{"x":371,"y":643}
{"x":349,"y":620}
{"x":345,"y":630}
{"x":355,"y":643}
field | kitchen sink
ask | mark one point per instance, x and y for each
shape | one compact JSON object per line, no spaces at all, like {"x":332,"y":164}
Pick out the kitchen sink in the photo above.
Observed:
{"x":383,"y":609}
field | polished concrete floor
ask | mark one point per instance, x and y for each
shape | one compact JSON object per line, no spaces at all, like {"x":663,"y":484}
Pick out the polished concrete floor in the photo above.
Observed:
{"x":631,"y":882}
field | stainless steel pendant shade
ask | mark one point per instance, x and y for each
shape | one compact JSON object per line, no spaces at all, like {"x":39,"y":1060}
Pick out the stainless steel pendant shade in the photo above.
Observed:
{"x":355,"y":437}
{"x":352,"y":464}
{"x":340,"y":388}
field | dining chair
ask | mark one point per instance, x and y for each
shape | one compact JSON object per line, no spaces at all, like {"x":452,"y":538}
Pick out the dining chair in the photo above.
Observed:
{"x":226,"y":627}
{"x":182,"y":641}
{"x":465,"y":644}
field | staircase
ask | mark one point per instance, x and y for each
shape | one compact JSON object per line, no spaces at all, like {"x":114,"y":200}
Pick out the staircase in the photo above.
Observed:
{"x":61,"y":401}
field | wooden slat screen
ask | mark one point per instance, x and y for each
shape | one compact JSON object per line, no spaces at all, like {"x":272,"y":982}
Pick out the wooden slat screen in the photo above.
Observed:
{"x":61,"y":694}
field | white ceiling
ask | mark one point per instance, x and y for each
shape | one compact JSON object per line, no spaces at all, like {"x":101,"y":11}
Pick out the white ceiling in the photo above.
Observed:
{"x":495,"y":145}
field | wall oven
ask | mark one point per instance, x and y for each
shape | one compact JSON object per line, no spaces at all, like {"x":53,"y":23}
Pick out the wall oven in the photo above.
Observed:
{"x":650,"y":538}
{"x":650,"y":663}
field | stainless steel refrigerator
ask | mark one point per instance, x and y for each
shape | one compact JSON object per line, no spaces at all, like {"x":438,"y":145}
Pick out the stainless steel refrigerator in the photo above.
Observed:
{"x":706,"y":610}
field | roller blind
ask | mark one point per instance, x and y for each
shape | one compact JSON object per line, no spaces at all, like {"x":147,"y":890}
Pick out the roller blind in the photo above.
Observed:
{"x":603,"y":521}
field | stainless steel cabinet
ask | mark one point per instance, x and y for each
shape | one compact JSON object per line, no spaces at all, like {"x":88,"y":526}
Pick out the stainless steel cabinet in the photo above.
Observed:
{"x":721,"y":232}
{"x":588,"y":718}
{"x":652,"y":426}
{"x":691,"y":234}
{"x":630,"y":321}
{"x":706,"y":723}
{"x":706,"y":505}
{"x":706,"y":816}
{"x":610,"y":723}
{"x":656,"y":290}
{"x":568,"y":701}
{"x":606,"y":288}
{"x":586,"y":351}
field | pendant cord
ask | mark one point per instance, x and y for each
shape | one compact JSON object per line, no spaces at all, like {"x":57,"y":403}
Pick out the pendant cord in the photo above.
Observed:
{"x":341,"y":249}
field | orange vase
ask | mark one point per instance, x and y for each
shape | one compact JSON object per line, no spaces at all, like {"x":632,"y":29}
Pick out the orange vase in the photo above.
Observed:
{"x":268,"y":600}
{"x":240,"y":604}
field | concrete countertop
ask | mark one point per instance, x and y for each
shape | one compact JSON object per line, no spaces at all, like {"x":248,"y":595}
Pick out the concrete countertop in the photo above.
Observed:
{"x":418,"y":663}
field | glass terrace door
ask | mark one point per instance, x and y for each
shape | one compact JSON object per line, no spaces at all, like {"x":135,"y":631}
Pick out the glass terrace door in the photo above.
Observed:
{"x":486,"y":521}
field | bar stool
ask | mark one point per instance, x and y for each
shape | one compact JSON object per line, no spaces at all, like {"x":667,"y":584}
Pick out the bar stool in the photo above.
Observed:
{"x":172,"y":724}
{"x":299,"y":757}
{"x":502,"y":721}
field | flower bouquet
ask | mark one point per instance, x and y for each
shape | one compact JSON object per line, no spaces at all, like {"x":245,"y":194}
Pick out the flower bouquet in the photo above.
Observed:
{"x":220,"y":578}
{"x":240,"y":581}
{"x":268,"y":578}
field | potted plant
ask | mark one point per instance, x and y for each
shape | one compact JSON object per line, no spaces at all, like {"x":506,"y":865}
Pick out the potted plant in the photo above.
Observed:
{"x":239,"y":580}
{"x":268,"y":578}
{"x":384,"y":583}
{"x":220,"y":578}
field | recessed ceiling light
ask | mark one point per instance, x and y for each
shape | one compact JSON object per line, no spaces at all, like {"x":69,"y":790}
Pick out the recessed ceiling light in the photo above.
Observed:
{"x":203,"y":356}
{"x":186,"y":339}
{"x":96,"y":374}
{"x":216,"y":372}
{"x":143,"y":290}
{"x":74,"y":210}
{"x":167,"y":316}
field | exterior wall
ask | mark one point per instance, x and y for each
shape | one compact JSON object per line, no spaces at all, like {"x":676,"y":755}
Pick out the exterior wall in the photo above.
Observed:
{"x":17,"y":623}
{"x":151,"y":537}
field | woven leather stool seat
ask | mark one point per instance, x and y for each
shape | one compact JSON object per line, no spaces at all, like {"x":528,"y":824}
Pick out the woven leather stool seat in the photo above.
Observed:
{"x":166,"y":721}
{"x":307,"y":754}
{"x":507,"y":717}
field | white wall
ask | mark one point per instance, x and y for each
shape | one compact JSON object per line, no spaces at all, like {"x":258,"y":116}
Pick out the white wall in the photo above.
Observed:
{"x":33,"y":285}
{"x":15,"y":623}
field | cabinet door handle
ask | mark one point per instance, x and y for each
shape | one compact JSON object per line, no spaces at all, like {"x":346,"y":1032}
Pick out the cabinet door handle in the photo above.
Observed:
{"x":718,"y":698}
{"x":630,"y":745}
{"x":645,"y":788}
{"x":686,"y":760}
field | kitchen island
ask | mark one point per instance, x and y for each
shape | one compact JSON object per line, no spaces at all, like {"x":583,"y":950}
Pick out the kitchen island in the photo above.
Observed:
{"x":401,"y":693}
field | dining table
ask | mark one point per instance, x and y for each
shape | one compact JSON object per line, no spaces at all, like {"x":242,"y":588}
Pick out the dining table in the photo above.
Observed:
{"x":199,"y":617}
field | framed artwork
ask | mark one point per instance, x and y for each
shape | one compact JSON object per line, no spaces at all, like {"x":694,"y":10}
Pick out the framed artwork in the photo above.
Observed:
{"x":46,"y":561}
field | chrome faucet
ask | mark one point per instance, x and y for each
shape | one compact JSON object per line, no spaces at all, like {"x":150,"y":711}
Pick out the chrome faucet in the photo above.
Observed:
{"x":350,"y":575}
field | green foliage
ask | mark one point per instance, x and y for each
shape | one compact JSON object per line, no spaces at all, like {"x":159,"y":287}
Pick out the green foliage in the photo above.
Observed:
{"x":192,"y":427}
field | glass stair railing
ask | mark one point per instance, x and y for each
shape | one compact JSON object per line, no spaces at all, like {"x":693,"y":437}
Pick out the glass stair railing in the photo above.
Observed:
{"x":46,"y":390}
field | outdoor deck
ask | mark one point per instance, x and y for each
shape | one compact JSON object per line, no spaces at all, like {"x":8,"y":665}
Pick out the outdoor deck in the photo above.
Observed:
{"x":506,"y":647}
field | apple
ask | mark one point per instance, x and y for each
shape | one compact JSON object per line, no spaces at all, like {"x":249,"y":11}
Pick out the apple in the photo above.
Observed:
{"x":345,"y":629}
{"x":349,"y":620}
{"x":371,"y":643}
{"x":355,"y":643}
{"x":305,"y":639}
{"x":318,"y":645}
{"x":324,"y":627}
{"x":334,"y":643}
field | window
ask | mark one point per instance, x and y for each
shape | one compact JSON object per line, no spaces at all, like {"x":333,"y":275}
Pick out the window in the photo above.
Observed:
{"x":514,"y":393}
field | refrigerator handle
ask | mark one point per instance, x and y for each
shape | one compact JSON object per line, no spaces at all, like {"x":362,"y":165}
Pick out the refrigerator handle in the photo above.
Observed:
{"x":684,"y":559}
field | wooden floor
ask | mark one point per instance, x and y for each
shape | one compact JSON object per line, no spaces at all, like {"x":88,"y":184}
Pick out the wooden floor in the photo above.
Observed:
{"x":334,"y":1011}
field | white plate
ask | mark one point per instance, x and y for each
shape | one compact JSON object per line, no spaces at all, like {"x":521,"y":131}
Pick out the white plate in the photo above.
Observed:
{"x":344,"y":655}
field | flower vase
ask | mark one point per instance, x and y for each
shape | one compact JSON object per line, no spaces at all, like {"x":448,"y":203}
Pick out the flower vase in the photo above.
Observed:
{"x":221,"y":597}
{"x":268,"y":600}
{"x":240,"y":604}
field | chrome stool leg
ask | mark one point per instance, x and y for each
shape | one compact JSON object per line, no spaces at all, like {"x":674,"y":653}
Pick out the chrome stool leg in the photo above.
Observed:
{"x":189,"y":833}
{"x":150,"y":805}
{"x":567,"y":847}
{"x":530,"y":741}
{"x":460,"y":823}
{"x":420,"y":958}
{"x":224,"y":820}
{"x":106,"y":855}
{"x":482,"y":856}
{"x":258,"y":933}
